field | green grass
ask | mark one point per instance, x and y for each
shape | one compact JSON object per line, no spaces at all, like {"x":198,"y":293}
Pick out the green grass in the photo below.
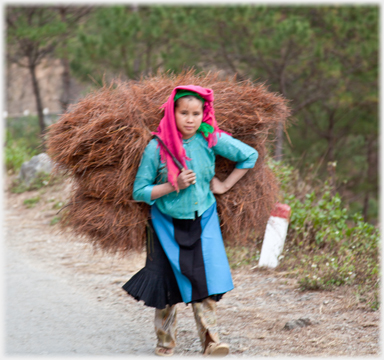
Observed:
{"x":54,"y":220}
{"x":58,"y":205}
{"x":239,"y":256}
{"x":30,"y":203}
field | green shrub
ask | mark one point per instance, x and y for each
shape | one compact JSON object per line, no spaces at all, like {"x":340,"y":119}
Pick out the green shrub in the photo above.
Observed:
{"x":325,"y":245}
{"x":16,"y":152}
{"x":23,"y":141}
{"x":25,"y":128}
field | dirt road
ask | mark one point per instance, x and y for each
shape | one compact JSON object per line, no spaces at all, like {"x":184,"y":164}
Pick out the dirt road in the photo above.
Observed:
{"x":61,"y":299}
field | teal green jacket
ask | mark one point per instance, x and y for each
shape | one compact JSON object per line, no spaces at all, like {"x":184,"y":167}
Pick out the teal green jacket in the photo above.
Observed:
{"x":197,"y":197}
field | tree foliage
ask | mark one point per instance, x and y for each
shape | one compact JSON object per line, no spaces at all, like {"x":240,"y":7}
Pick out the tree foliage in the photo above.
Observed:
{"x":325,"y":60}
{"x":122,"y":40}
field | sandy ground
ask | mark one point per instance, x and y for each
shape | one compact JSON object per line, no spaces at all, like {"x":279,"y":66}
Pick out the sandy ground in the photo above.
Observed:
{"x":62,"y":299}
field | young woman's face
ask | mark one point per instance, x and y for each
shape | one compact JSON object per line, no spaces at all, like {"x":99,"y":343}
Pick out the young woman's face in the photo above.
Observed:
{"x":189,"y":115}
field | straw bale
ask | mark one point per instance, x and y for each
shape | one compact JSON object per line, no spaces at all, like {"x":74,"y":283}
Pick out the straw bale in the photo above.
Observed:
{"x":100,"y":140}
{"x":103,"y":222}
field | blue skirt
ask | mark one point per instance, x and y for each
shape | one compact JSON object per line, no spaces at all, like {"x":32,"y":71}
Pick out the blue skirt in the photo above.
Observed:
{"x":186,"y":261}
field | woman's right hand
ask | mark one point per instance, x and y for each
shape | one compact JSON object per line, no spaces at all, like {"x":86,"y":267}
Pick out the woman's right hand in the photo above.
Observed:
{"x":186,"y":178}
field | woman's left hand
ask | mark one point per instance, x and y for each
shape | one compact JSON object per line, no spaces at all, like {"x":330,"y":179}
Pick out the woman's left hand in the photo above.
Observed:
{"x":217,"y":186}
{"x":220,"y":187}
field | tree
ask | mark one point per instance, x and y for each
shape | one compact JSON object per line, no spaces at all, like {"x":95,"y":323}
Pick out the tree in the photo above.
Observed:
{"x":71,"y":16}
{"x":33,"y":34}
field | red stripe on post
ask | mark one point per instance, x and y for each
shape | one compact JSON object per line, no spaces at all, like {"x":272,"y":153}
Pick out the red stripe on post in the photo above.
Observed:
{"x":281,"y":211}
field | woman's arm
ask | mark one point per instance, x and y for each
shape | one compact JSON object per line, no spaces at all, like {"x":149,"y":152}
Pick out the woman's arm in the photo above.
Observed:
{"x":219,"y":187}
{"x":161,"y":190}
{"x":235,"y":150}
{"x":146,"y":173}
{"x":244,"y":155}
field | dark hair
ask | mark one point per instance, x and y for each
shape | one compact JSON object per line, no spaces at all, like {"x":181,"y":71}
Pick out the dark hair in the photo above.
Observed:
{"x":189,"y":97}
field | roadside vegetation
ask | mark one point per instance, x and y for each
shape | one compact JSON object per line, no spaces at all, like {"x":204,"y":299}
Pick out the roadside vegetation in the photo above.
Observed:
{"x":22,"y":141}
{"x":328,"y":244}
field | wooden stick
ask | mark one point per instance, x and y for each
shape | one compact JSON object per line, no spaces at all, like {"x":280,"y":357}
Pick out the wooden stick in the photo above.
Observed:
{"x":177,"y":162}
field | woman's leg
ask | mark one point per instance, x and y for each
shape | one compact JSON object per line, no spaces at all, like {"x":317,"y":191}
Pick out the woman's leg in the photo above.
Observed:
{"x":206,"y":321}
{"x":205,"y":316}
{"x":165,"y":327}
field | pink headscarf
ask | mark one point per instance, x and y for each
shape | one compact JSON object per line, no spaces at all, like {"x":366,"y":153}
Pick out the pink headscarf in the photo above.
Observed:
{"x":171,"y":136}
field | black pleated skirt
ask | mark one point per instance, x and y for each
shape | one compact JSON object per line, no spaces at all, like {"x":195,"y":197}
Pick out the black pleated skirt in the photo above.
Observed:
{"x":156,"y":283}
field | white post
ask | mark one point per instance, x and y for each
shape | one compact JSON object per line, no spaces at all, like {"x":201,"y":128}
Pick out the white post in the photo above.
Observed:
{"x":275,"y":235}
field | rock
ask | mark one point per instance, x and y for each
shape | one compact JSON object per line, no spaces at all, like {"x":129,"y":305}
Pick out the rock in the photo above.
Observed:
{"x":302,"y":322}
{"x":30,"y":169}
{"x":369,"y":324}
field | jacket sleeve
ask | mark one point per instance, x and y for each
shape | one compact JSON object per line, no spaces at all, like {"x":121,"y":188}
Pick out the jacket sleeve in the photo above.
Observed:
{"x":146,"y":174}
{"x":235,"y":150}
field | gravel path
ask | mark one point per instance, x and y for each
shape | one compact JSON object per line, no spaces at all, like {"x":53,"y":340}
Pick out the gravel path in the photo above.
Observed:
{"x":48,"y":315}
{"x":63,"y":299}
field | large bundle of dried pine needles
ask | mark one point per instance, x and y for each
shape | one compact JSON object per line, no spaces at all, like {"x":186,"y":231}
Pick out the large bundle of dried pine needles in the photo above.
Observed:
{"x":100,"y":140}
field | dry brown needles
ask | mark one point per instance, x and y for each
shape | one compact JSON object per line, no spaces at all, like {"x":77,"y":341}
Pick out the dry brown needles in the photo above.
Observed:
{"x":99,"y":142}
